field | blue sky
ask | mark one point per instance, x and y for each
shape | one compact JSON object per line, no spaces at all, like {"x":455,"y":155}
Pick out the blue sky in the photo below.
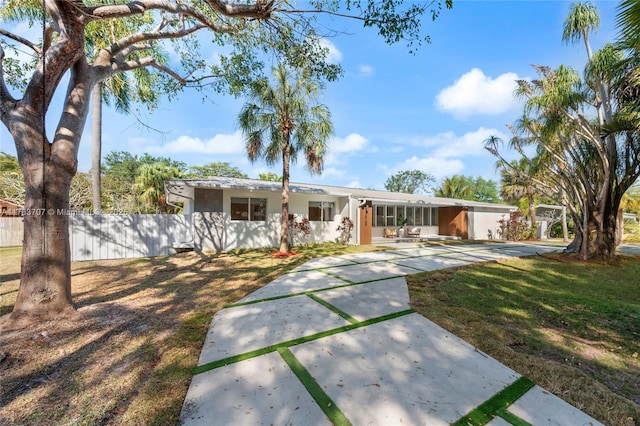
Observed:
{"x":391,"y":110}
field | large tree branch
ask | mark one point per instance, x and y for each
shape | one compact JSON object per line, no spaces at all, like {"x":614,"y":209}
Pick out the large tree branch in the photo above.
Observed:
{"x":21,"y":40}
{"x":66,"y":140}
{"x":120,"y":66}
{"x":5,"y":95}
{"x":261,"y":9}
{"x":258,"y":10}
{"x":120,"y":47}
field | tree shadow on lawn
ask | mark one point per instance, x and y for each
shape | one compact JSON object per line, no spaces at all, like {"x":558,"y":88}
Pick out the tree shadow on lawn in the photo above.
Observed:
{"x":127,"y":354}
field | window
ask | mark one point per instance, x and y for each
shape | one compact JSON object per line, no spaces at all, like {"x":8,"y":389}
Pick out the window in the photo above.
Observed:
{"x":321,"y":211}
{"x":250,"y":209}
{"x":409,"y":216}
{"x":430,"y":216}
{"x":379,"y":216}
{"x":418,"y":216}
{"x":391,"y":216}
{"x":426,"y":216}
{"x":315,"y":211}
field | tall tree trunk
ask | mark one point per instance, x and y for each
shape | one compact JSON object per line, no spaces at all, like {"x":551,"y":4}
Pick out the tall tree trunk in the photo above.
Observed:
{"x":47,"y":167}
{"x":45,"y":282}
{"x":284,"y":223}
{"x":96,"y":147}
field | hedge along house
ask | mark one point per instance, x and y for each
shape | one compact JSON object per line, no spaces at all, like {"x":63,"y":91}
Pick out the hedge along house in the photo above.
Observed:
{"x":229,"y":213}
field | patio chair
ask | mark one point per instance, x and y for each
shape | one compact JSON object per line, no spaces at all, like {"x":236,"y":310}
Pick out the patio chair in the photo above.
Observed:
{"x":389,"y":233}
{"x":414,"y":232}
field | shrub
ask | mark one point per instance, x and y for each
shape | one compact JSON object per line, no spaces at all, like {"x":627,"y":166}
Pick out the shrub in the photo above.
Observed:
{"x":516,"y":228}
{"x":345,"y":228}
{"x":300,"y":227}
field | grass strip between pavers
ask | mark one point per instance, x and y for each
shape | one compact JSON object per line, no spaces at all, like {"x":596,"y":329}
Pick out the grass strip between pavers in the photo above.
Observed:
{"x":351,"y":283}
{"x":262,"y":351}
{"x":326,"y":404}
{"x":308,"y":292}
{"x":333,"y":308}
{"x":486,"y":411}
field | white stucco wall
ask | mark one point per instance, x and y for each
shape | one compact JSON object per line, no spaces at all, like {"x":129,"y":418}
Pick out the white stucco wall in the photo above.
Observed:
{"x":481,"y":221}
{"x":232,"y":234}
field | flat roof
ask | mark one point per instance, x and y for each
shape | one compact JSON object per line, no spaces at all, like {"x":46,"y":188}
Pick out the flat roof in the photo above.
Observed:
{"x":178,"y":188}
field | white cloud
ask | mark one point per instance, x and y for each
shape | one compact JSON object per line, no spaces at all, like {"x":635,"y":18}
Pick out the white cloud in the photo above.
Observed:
{"x":335,"y":55}
{"x":352,"y":143}
{"x":340,"y":149}
{"x":219,"y":144}
{"x":442,"y":154}
{"x":365,"y":70}
{"x":437,"y":166}
{"x":450,"y":145}
{"x":476,"y":93}
{"x":354,"y":184}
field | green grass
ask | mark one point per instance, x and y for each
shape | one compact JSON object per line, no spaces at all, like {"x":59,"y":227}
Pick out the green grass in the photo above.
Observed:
{"x":10,"y":260}
{"x":572,"y":327}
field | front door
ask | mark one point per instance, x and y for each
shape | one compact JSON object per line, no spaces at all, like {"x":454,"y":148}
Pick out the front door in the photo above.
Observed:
{"x":366,"y":223}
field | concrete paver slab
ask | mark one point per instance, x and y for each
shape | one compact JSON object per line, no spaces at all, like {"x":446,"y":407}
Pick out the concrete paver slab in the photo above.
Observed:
{"x":257,"y":391}
{"x":629,"y":249}
{"x":539,"y":407}
{"x":416,"y":251}
{"x":373,"y":256}
{"x":475,"y":256}
{"x":400,"y":369}
{"x":498,"y":421}
{"x":294,"y":283}
{"x":432,"y":263}
{"x":323,"y":262}
{"x":242,"y":329}
{"x":405,"y":371}
{"x":370,"y":300}
{"x":370,"y":271}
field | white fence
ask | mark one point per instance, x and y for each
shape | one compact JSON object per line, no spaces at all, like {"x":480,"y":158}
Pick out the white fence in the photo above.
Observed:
{"x":95,"y":237}
{"x":11,"y":231}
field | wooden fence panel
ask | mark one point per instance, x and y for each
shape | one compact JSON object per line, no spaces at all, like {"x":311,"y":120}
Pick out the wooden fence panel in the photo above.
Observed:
{"x":11,"y":231}
{"x":95,"y":237}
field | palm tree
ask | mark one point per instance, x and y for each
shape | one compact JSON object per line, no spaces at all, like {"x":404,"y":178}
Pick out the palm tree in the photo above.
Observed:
{"x":149,"y":184}
{"x":457,"y":186}
{"x":628,"y":21}
{"x":119,"y":89}
{"x":283,"y":120}
{"x":517,"y":184}
{"x":583,"y":19}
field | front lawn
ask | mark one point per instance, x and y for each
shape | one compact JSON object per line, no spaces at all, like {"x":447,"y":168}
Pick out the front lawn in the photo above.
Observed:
{"x":126,"y":358}
{"x":572,"y":327}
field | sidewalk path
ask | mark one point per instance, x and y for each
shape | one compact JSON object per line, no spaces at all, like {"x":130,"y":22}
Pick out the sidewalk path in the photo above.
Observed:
{"x":335,"y":342}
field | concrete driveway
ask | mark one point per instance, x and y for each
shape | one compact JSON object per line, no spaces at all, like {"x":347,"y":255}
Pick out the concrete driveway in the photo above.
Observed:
{"x":335,"y":342}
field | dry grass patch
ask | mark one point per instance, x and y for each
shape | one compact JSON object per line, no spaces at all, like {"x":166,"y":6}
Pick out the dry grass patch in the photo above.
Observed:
{"x":571,"y":327}
{"x":126,"y":356}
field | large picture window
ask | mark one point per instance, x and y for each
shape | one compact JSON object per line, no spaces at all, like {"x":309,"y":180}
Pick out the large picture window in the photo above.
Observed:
{"x":321,"y":211}
{"x":249,"y":209}
{"x":391,"y":216}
